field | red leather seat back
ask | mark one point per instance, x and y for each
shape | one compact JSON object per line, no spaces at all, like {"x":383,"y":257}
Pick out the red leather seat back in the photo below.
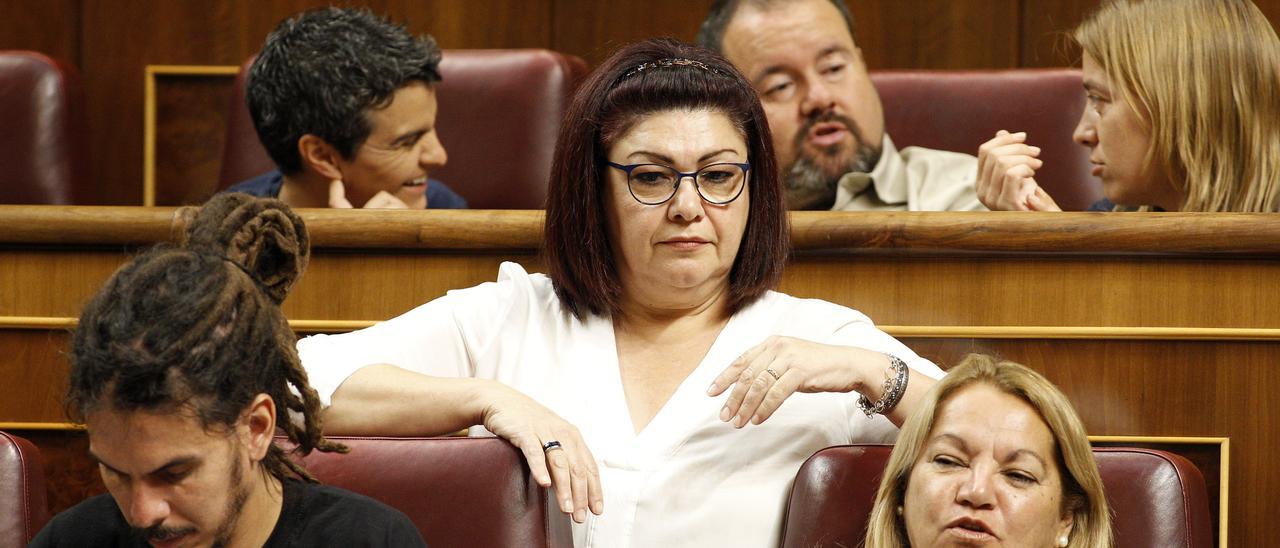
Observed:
{"x":42,"y":145}
{"x":458,"y":491}
{"x":960,"y":110}
{"x":1157,"y":498}
{"x":23,"y":506}
{"x":498,"y":117}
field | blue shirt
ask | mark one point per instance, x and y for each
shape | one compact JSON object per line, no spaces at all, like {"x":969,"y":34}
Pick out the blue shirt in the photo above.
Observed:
{"x":268,"y":185}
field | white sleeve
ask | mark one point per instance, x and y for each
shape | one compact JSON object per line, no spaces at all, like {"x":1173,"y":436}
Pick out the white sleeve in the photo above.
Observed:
{"x":442,"y":338}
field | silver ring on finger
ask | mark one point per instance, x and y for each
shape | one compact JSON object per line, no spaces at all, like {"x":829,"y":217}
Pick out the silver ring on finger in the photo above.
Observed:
{"x":553,"y":444}
{"x":773,"y":373}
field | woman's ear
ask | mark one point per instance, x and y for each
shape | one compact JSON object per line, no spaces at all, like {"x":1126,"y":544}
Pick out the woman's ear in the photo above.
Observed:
{"x":1064,"y":528}
{"x":320,"y":156}
{"x":258,"y":426}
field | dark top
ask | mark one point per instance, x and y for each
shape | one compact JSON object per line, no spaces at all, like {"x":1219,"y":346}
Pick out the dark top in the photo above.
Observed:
{"x":1106,"y":205}
{"x":268,"y":185}
{"x":312,"y":515}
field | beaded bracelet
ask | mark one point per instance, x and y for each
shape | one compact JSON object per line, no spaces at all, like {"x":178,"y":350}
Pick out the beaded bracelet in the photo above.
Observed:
{"x":894,"y":387}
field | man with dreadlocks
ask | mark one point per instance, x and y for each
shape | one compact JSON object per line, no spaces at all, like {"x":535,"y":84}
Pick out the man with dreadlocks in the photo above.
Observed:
{"x":182,"y":368}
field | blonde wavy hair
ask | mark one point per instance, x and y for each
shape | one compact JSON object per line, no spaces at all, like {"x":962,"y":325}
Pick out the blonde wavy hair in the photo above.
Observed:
{"x":1203,"y":75}
{"x":1081,"y":485}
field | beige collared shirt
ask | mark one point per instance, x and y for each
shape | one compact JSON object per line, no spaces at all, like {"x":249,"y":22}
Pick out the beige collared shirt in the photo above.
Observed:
{"x":913,"y":179}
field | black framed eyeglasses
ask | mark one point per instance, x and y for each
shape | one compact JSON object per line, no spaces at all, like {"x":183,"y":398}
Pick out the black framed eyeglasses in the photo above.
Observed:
{"x":654,"y":184}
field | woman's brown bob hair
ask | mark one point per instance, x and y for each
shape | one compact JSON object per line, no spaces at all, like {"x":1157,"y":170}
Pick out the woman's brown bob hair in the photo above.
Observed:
{"x":579,"y":258}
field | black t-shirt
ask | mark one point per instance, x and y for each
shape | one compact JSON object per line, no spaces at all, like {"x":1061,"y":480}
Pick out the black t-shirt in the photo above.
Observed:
{"x":312,"y":515}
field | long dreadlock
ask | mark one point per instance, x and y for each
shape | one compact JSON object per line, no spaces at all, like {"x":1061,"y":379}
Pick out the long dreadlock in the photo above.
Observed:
{"x":199,"y":325}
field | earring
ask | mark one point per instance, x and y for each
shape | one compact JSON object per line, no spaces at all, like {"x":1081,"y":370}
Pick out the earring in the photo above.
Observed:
{"x":1063,"y":541}
{"x":899,"y":510}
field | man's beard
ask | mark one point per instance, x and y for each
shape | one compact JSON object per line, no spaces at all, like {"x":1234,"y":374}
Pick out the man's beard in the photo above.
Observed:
{"x":811,"y":179}
{"x":222,"y":536}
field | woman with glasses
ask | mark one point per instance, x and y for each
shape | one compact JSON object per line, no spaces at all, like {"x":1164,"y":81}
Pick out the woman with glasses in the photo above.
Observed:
{"x":651,"y":377}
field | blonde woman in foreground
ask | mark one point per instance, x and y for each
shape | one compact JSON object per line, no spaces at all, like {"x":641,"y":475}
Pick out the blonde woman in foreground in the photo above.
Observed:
{"x":1182,"y":112}
{"x":994,"y":456}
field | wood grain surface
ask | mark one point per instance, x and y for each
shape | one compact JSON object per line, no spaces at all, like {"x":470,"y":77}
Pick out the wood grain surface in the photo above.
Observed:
{"x":1153,"y":325}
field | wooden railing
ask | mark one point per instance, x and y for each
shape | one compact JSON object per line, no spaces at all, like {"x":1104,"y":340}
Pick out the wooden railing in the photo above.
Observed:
{"x":1163,"y":324}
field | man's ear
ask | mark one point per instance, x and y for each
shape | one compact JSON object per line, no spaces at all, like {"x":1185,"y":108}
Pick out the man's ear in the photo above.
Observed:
{"x":320,"y":156}
{"x":258,"y":426}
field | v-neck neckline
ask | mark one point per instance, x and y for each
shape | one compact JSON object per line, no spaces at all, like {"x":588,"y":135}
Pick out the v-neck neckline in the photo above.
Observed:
{"x":685,"y":407}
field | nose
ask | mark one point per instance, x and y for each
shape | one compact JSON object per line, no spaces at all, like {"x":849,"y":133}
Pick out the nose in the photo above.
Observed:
{"x":432,"y":153}
{"x":147,"y":506}
{"x":1086,"y":132}
{"x":818,"y":97}
{"x":686,"y":205}
{"x":976,"y":490}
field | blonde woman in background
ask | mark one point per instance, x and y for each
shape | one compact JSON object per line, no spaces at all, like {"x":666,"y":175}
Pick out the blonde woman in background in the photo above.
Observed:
{"x":994,"y":455}
{"x":1183,"y":112}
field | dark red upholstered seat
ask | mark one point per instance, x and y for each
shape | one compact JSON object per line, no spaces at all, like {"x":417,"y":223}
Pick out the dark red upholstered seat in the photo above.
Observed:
{"x":1157,"y":498}
{"x":458,"y":491}
{"x":498,"y":117}
{"x":42,"y":145}
{"x":23,"y":506}
{"x":960,"y":110}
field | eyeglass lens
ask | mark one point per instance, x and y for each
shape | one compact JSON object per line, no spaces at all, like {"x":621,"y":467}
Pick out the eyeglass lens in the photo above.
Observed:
{"x":716,"y":183}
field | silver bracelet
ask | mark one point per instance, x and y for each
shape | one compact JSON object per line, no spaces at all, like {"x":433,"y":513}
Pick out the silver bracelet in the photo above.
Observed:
{"x":894,"y":387}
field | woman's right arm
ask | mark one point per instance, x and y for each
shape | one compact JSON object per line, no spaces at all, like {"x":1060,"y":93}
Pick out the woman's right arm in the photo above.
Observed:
{"x":385,"y":400}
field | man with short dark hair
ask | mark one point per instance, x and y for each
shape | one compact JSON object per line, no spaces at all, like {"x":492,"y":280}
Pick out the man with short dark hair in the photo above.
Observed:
{"x":345,"y":104}
{"x":825,"y":115}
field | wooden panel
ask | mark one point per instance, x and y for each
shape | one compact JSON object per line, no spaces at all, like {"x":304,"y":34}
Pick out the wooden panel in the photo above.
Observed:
{"x":51,"y":27}
{"x":1027,"y":283}
{"x":937,"y":34}
{"x":1046,"y":32}
{"x":190,"y":128}
{"x":593,"y":30}
{"x":33,"y":374}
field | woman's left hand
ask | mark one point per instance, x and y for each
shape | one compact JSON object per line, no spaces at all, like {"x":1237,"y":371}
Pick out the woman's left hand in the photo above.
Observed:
{"x":766,"y":375}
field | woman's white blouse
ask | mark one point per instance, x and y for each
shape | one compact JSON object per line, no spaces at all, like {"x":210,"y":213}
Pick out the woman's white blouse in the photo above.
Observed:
{"x":687,"y":479}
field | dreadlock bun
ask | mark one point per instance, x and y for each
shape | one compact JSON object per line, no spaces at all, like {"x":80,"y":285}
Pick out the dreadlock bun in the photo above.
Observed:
{"x":260,"y":235}
{"x":200,"y":325}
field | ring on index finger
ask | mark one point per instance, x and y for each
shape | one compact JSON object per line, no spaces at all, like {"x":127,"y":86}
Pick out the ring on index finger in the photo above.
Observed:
{"x":553,"y":444}
{"x":773,"y":373}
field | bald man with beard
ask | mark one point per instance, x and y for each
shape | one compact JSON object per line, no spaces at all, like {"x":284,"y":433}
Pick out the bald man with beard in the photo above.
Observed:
{"x":825,"y":115}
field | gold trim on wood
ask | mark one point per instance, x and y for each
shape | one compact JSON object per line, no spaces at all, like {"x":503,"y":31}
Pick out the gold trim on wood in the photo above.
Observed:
{"x":1224,"y":469}
{"x":14,"y":426}
{"x":149,"y":115}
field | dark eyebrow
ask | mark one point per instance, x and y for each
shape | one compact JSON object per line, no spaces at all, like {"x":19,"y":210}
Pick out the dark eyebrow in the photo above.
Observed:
{"x":178,"y":461}
{"x":667,"y":159}
{"x":774,"y":69}
{"x":411,"y":136}
{"x":832,"y":49}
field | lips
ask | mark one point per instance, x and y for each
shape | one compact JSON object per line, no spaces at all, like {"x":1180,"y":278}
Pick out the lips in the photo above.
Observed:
{"x":168,"y":541}
{"x":827,"y":133}
{"x":970,"y":529}
{"x":684,"y":243}
{"x":420,"y":181}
